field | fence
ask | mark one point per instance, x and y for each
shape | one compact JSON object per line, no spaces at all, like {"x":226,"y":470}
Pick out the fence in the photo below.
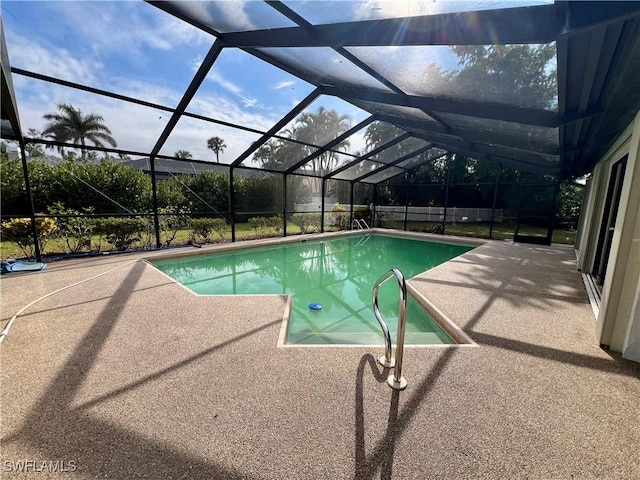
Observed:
{"x":413,"y":214}
{"x":316,"y":207}
{"x":436,"y":214}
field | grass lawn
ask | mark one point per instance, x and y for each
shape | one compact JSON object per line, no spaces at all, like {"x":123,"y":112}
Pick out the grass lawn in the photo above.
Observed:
{"x":244,"y":231}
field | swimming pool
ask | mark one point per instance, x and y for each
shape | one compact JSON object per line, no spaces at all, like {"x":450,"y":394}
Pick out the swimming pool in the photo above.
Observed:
{"x":337,"y":273}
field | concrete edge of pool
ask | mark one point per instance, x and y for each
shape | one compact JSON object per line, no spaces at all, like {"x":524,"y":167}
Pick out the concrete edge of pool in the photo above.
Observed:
{"x":460,"y":338}
{"x":263,"y":242}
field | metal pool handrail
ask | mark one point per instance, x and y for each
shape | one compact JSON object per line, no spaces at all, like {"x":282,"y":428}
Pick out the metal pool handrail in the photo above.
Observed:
{"x":362,"y":225}
{"x":395,"y":381}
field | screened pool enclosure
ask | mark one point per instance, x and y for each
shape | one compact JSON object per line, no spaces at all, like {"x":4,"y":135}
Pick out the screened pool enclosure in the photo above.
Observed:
{"x":228,"y":120}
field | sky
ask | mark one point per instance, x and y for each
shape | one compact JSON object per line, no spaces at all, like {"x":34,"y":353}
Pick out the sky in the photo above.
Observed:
{"x":137,"y":50}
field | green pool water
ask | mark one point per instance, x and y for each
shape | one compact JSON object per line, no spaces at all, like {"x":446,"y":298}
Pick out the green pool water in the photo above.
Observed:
{"x":337,"y":273}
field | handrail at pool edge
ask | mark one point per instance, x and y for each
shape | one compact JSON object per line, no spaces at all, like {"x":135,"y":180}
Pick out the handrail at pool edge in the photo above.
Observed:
{"x":395,"y":381}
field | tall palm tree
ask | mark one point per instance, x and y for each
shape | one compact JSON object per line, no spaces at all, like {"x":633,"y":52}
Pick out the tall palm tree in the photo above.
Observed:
{"x":217,"y":145}
{"x":183,"y":154}
{"x":69,"y":124}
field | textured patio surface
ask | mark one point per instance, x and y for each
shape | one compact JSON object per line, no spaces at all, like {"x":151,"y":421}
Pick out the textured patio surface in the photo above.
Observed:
{"x":130,"y":376}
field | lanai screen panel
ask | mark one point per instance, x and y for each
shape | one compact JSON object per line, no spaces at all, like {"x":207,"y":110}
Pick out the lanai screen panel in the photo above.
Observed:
{"x":384,"y":175}
{"x":324,"y":66}
{"x":361,"y":143}
{"x":377,"y":134}
{"x":405,"y":147}
{"x":405,"y":165}
{"x":324,"y":120}
{"x":279,"y":154}
{"x":227,"y":16}
{"x":325,"y":163}
{"x":320,"y":12}
{"x":399,"y":111}
{"x":531,"y":137}
{"x":379,"y":161}
{"x":454,"y":143}
{"x":357,"y":170}
{"x":257,"y":98}
{"x":488,"y":73}
{"x":257,"y":194}
{"x":192,"y":135}
{"x":387,"y":156}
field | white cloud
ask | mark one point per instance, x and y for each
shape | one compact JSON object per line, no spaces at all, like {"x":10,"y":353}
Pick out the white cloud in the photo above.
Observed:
{"x":234,"y":12}
{"x":127,"y":26}
{"x":60,"y":63}
{"x":248,"y":102}
{"x":53,"y":61}
{"x":226,"y":84}
{"x":225,"y":109}
{"x":150,"y":92}
{"x":285,"y":84}
{"x":195,"y":63}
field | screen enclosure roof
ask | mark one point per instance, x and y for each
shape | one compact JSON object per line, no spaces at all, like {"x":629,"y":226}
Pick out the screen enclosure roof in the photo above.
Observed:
{"x":377,"y":88}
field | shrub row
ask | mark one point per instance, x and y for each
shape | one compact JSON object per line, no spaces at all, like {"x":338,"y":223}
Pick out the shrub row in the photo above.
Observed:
{"x":108,"y":187}
{"x":86,"y":234}
{"x":82,"y":233}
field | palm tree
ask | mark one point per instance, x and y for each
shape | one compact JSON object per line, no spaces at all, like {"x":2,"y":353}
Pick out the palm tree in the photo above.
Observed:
{"x":217,"y":145}
{"x":69,"y":124}
{"x":319,"y":128}
{"x":183,"y":154}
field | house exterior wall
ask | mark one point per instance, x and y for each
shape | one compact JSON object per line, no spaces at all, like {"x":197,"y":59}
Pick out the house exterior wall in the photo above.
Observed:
{"x":618,"y":320}
{"x":631,"y":346}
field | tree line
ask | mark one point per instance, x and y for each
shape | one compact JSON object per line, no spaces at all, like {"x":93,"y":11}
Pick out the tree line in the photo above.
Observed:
{"x":109,"y":187}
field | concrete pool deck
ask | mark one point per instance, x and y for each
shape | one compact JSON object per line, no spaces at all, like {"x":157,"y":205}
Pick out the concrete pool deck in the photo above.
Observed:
{"x":129,"y":375}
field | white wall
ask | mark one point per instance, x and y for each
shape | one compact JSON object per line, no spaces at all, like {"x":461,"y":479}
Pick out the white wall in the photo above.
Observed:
{"x":618,"y":322}
{"x":631,"y":349}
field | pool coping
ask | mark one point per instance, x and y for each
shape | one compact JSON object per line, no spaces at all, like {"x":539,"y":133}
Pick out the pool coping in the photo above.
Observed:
{"x":448,"y":325}
{"x":242,"y":244}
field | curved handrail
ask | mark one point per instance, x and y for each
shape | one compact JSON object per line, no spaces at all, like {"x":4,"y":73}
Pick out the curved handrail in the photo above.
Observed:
{"x":361,"y":224}
{"x":395,"y":381}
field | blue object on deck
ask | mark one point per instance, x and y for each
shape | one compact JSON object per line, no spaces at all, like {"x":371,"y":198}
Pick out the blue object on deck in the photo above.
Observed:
{"x":315,"y":307}
{"x":18,"y":266}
